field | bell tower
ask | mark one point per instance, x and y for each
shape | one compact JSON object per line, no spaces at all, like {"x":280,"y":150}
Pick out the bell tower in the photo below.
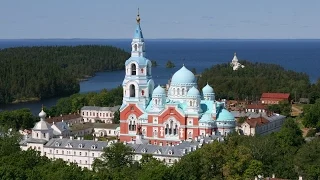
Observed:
{"x":137,"y":45}
{"x":138,"y":84}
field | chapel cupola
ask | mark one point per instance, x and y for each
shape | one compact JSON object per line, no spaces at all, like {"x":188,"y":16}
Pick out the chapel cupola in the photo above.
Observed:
{"x":42,"y":129}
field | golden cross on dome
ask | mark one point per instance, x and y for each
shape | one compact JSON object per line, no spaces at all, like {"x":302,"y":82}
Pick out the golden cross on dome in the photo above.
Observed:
{"x":138,"y":17}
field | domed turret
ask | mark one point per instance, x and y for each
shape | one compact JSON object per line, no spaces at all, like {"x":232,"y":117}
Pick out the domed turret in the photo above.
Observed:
{"x":158,"y":91}
{"x":207,"y":89}
{"x":225,"y":122}
{"x":158,"y":98}
{"x":208,"y":93}
{"x":193,"y":100}
{"x":42,"y":129}
{"x":42,"y":124}
{"x":225,"y":115}
{"x":193,"y":92}
{"x":183,"y":76}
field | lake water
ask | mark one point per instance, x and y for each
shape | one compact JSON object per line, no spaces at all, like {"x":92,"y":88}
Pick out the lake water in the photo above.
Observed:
{"x":297,"y":55}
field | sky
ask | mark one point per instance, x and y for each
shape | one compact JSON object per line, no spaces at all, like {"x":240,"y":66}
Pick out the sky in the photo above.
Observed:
{"x":114,"y":19}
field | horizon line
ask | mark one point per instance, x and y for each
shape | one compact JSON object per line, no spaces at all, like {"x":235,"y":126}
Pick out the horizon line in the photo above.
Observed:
{"x":160,"y":38}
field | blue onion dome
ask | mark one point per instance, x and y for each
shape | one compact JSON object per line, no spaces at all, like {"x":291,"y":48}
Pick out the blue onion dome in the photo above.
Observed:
{"x":159,"y":91}
{"x":225,"y":115}
{"x":183,"y":76}
{"x":193,"y":92}
{"x":207,"y":89}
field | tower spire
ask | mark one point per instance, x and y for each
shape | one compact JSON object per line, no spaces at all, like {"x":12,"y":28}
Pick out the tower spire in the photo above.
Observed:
{"x":138,"y":17}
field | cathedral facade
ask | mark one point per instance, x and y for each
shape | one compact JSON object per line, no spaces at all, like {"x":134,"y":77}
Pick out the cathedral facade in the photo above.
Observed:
{"x":167,"y":116}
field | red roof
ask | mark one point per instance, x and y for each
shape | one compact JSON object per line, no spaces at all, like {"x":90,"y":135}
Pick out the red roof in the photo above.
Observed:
{"x":64,"y":117}
{"x":275,"y":95}
{"x":254,"y":122}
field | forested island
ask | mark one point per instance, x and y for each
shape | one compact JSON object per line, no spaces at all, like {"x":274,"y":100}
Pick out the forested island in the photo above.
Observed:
{"x":170,"y":64}
{"x":33,"y":73}
{"x":250,"y":82}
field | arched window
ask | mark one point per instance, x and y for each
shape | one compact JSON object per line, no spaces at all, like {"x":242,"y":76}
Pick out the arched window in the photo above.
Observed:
{"x":141,"y":71}
{"x":135,"y":47}
{"x":190,"y":135}
{"x":175,"y":131}
{"x":142,"y":92}
{"x":182,"y":91}
{"x":156,"y":101}
{"x":178,"y":91}
{"x":132,"y":90}
{"x":190,"y":103}
{"x":155,"y":133}
{"x":130,"y":126}
{"x":174,"y":91}
{"x":167,"y":129}
{"x":144,"y":132}
{"x":171,"y":127}
{"x":134,"y":125}
{"x":148,"y":70}
{"x":133,"y":69}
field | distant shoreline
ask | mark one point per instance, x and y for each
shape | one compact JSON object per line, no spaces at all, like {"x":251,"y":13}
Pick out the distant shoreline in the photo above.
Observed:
{"x":94,"y":39}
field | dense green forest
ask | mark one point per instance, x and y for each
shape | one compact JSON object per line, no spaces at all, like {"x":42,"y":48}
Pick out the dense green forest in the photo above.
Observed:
{"x":256,"y":78}
{"x":73,"y":103}
{"x":284,"y":154}
{"x":17,"y":119}
{"x":28,"y":73}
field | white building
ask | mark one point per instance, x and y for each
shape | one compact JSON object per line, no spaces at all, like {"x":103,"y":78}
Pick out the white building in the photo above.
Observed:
{"x":61,"y":129}
{"x":96,"y":113}
{"x":261,"y":123}
{"x":84,"y":152}
{"x":235,"y":63}
{"x":109,"y":130}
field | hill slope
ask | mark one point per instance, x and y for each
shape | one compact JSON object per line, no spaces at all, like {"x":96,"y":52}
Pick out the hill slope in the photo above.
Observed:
{"x":254,"y":79}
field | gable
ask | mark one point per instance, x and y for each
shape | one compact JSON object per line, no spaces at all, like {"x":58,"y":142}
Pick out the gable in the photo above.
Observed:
{"x":130,"y":109}
{"x":171,"y":111}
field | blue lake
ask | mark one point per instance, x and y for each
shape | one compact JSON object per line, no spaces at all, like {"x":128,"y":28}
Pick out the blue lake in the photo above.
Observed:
{"x":297,"y":55}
